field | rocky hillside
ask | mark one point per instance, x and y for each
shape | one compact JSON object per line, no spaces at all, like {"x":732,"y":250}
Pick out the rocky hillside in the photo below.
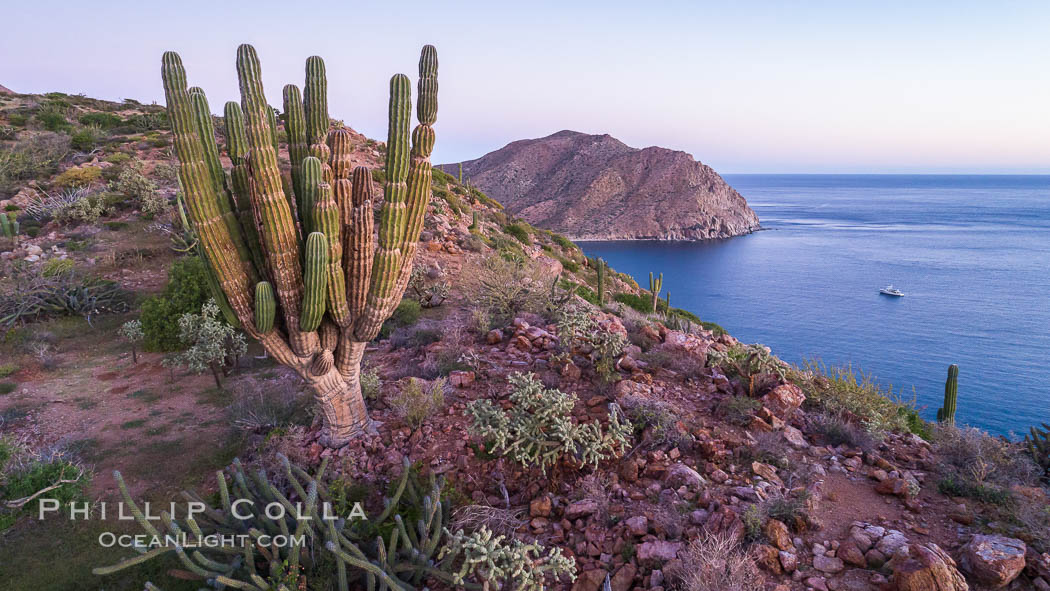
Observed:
{"x":595,"y":187}
{"x":736,"y":471}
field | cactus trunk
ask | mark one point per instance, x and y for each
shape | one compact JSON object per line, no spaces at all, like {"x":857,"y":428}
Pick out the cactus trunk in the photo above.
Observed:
{"x":303,"y":275}
{"x":655,"y":285}
{"x":601,"y":282}
{"x":946,"y":414}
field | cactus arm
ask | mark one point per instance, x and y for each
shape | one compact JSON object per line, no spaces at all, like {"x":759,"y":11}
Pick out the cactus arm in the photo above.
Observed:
{"x":406,"y":194}
{"x":237,"y":150}
{"x":202,"y":198}
{"x":265,"y":307}
{"x":315,"y":106}
{"x":326,"y":220}
{"x":358,"y":244}
{"x":278,"y":234}
{"x":315,"y":281}
{"x":295,"y":125}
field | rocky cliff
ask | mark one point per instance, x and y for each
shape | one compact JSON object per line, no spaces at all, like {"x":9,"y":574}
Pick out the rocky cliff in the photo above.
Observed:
{"x":595,"y":187}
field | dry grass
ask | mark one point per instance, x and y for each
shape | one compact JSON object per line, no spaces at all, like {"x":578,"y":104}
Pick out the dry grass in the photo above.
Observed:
{"x":715,"y":562}
{"x":500,"y":521}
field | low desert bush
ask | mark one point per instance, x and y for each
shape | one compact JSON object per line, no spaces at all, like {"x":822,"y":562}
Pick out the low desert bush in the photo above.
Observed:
{"x":80,"y":176}
{"x":716,"y":562}
{"x":739,"y":410}
{"x":101,"y":120}
{"x":135,"y":186}
{"x":417,"y":401}
{"x":84,"y":139}
{"x":370,"y":383}
{"x":656,"y":418}
{"x":837,"y":431}
{"x":268,"y":408}
{"x":520,"y":231}
{"x":24,"y":473}
{"x":406,"y":314}
{"x":842,"y":389}
{"x":186,"y":291}
{"x":972,"y":455}
{"x":32,"y":158}
{"x":505,"y":285}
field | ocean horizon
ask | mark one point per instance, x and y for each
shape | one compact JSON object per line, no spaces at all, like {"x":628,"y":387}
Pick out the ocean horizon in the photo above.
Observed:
{"x":970,"y":252}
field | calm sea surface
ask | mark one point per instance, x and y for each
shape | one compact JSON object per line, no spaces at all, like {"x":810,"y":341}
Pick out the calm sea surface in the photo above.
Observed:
{"x":971,"y":253}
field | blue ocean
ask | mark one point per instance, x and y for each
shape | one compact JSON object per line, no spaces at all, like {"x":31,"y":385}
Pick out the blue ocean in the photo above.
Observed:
{"x":970,"y":253}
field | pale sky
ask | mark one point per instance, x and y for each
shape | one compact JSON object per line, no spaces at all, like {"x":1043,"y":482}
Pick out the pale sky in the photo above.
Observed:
{"x":750,"y":86}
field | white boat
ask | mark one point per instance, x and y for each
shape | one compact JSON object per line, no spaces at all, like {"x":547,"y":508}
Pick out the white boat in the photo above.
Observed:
{"x":891,"y":291}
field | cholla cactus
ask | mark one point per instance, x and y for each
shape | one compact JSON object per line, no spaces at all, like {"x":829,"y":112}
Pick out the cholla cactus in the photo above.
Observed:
{"x":486,"y":557}
{"x":212,"y":343}
{"x":131,"y":332}
{"x":538,"y":429}
{"x":310,"y":239}
{"x":382,"y":551}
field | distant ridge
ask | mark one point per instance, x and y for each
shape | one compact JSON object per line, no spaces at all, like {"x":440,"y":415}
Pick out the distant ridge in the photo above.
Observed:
{"x":595,"y":187}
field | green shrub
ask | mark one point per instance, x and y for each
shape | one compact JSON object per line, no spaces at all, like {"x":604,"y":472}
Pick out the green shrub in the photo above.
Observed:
{"x":211,"y":343}
{"x":739,"y":410}
{"x":34,"y":475}
{"x":186,"y":292}
{"x":414,"y":403}
{"x":7,"y":387}
{"x":7,"y":369}
{"x":640,"y":303}
{"x":838,"y":389}
{"x":53,"y":116}
{"x":563,"y":242}
{"x":57,"y":267}
{"x":84,"y":140}
{"x":519,"y":231}
{"x":978,"y":491}
{"x":538,"y":429}
{"x":17,"y":119}
{"x":80,"y":176}
{"x":118,"y":158}
{"x":406,"y":314}
{"x":32,"y":158}
{"x":101,"y":120}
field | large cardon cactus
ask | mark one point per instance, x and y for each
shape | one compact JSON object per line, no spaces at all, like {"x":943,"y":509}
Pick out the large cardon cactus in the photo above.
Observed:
{"x":295,"y":251}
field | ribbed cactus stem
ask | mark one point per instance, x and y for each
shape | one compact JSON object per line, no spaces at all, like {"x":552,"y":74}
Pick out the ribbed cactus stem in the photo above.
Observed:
{"x":265,"y":307}
{"x":315,"y":106}
{"x":475,"y":220}
{"x":277,"y":225}
{"x":221,"y":246}
{"x":459,"y":177}
{"x":295,"y":127}
{"x":601,"y":282}
{"x":946,"y":414}
{"x":315,"y":281}
{"x":655,"y":285}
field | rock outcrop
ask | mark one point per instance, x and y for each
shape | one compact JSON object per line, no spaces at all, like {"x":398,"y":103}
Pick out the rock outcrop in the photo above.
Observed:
{"x":595,"y":187}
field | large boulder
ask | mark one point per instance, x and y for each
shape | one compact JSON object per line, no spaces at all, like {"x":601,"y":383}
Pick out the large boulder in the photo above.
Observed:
{"x":784,"y":400}
{"x":993,"y":560}
{"x":925,"y":567}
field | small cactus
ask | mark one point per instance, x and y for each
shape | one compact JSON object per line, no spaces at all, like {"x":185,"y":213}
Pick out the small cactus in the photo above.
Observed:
{"x":459,"y":177}
{"x":655,"y":285}
{"x":946,"y":414}
{"x":475,"y":221}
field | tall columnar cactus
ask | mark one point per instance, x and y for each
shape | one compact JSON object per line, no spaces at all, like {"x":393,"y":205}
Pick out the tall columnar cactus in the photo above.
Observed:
{"x":459,"y":177}
{"x":475,"y":220}
{"x":601,"y":281}
{"x":946,"y":414}
{"x":655,"y":285}
{"x":304,"y":275}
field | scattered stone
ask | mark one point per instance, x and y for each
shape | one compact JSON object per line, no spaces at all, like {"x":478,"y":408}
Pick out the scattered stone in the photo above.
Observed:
{"x":828,"y":564}
{"x":784,"y":400}
{"x":993,"y":559}
{"x":768,"y":558}
{"x":925,"y":567}
{"x":540,"y":507}
{"x":638,"y":525}
{"x":581,"y":508}
{"x":658,"y":551}
{"x":461,"y":379}
{"x":778,"y":534}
